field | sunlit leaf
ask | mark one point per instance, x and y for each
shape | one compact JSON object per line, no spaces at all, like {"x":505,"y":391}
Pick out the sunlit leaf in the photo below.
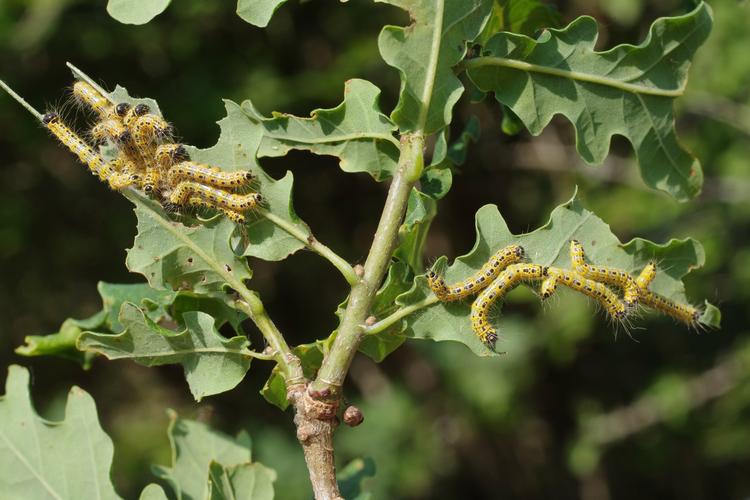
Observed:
{"x":547,"y":245}
{"x":212,"y":363}
{"x":258,"y":12}
{"x":136,"y":11}
{"x":425,"y":53}
{"x":628,"y":90}
{"x":355,"y":131}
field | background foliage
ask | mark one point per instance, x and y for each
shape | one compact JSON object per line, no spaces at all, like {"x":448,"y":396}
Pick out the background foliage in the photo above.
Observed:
{"x":529,"y":424}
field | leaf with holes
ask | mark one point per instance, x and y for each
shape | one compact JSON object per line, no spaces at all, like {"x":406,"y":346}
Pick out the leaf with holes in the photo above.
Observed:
{"x":355,"y":131}
{"x":212,"y":363}
{"x":628,"y":90}
{"x":547,"y":246}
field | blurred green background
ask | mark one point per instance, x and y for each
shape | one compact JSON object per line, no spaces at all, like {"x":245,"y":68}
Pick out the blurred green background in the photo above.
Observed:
{"x":572,"y":411}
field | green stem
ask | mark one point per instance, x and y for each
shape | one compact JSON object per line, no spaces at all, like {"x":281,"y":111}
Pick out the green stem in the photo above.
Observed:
{"x":503,"y":62}
{"x":391,"y":319}
{"x":21,"y":101}
{"x":351,"y":330}
{"x":251,"y":305}
{"x":316,"y":246}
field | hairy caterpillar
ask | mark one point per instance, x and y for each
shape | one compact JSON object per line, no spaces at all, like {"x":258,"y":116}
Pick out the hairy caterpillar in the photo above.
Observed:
{"x":647,"y":275}
{"x":93,"y":99}
{"x":170,"y":154}
{"x":497,"y":263}
{"x":206,"y":174}
{"x":506,"y":281}
{"x":681,"y":312}
{"x":86,"y":154}
{"x":236,"y":217}
{"x":237,"y":202}
{"x":597,"y":291}
{"x":603,"y":274}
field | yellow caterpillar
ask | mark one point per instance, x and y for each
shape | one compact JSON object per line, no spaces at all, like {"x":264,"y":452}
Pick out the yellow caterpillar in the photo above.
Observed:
{"x":681,"y":312}
{"x":93,"y":99}
{"x":170,"y":154}
{"x":597,"y":291}
{"x":86,"y":154}
{"x":497,"y":263}
{"x":206,"y":174}
{"x":236,"y":217}
{"x":505,"y":281}
{"x":237,"y":202}
{"x":603,"y":274}
{"x":647,"y":276}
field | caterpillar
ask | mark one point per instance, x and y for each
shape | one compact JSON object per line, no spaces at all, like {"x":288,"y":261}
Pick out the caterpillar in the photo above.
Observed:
{"x":237,"y":202}
{"x":597,"y":291}
{"x":236,"y":217}
{"x":88,"y":95}
{"x":603,"y":274}
{"x":647,"y":275}
{"x":170,"y":154}
{"x":497,"y":263}
{"x":86,"y":154}
{"x":681,"y":312}
{"x":206,"y":174}
{"x":505,"y":281}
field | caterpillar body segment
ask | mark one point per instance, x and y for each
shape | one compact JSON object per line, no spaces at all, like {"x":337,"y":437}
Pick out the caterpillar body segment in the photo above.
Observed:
{"x":474,"y":284}
{"x":604,"y":274}
{"x":111,"y":129}
{"x":684,"y":313}
{"x":170,"y":154}
{"x":609,"y":300}
{"x":130,"y":114}
{"x":505,"y":281}
{"x":646,"y":276}
{"x":548,"y":288}
{"x":74,"y":143}
{"x":212,"y":176}
{"x":237,"y":202}
{"x":92,"y":98}
{"x":236,"y":217}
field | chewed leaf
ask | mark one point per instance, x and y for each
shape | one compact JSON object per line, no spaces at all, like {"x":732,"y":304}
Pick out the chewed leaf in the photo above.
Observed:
{"x":547,"y":246}
{"x":43,"y":459}
{"x":212,"y":363}
{"x":354,"y":131}
{"x":628,"y":90}
{"x":425,"y":53}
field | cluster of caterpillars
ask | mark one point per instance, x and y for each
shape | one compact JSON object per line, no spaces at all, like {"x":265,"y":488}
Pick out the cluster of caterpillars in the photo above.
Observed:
{"x":506,"y":269}
{"x":148,"y":159}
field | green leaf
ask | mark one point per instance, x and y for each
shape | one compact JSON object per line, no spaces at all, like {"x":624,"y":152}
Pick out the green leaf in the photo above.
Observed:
{"x":398,"y":281}
{"x":425,"y":53}
{"x":269,"y":235}
{"x":421,"y":210}
{"x":153,"y":492}
{"x":310,"y":356}
{"x":175,"y":257}
{"x":241,"y":482}
{"x":628,"y":90}
{"x":212,"y":363}
{"x":43,"y":459}
{"x":205,"y":460}
{"x":136,"y":11}
{"x":519,"y":16}
{"x":547,"y":246}
{"x":63,"y":343}
{"x":352,"y":477}
{"x":258,"y":12}
{"x":354,"y":131}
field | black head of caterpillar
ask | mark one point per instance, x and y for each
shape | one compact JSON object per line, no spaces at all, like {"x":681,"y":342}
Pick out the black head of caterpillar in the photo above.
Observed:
{"x":122,"y":109}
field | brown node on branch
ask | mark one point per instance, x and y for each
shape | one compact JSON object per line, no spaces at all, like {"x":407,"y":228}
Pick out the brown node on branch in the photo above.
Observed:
{"x":353,"y":416}
{"x":371,"y":320}
{"x":321,"y":410}
{"x":359,"y":270}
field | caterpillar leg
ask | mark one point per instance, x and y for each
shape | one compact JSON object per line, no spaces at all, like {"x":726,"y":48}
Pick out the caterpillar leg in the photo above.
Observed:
{"x":505,"y":281}
{"x":236,"y":202}
{"x":206,"y":174}
{"x":597,"y":291}
{"x":474,"y":284}
{"x":603,"y":274}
